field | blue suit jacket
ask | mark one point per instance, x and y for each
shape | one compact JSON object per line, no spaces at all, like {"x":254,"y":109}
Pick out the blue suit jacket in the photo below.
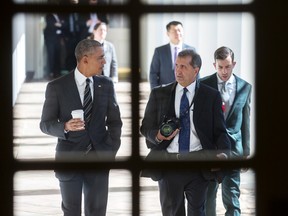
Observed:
{"x":104,"y":129}
{"x":161,"y":68}
{"x":238,"y":119}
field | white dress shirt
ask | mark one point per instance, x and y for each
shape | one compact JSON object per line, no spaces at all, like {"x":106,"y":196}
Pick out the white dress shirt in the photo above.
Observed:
{"x":230,"y":86}
{"x":80,"y":80}
{"x":195,"y":144}
{"x":179,"y":49}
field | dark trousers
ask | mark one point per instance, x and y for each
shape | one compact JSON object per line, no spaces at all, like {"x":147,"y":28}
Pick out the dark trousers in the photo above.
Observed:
{"x":175,"y":186}
{"x":94,"y":186}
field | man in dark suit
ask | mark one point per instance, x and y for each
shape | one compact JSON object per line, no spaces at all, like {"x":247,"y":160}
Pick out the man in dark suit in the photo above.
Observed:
{"x":98,"y":137}
{"x":206,"y":132}
{"x":54,"y":33}
{"x":91,"y":19}
{"x":236,"y":104}
{"x":162,"y":68}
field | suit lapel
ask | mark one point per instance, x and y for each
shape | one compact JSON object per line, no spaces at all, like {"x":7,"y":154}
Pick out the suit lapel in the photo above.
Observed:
{"x":98,"y":88}
{"x":239,"y":86}
{"x":168,"y":56}
{"x":73,"y":90}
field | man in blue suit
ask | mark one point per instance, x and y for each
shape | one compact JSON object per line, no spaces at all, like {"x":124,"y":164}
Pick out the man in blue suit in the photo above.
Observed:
{"x":236,"y":96}
{"x":206,"y":135}
{"x":98,"y":137}
{"x":162,"y":68}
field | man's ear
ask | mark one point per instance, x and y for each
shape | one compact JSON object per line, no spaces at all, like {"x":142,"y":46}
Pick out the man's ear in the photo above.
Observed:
{"x":85,"y":59}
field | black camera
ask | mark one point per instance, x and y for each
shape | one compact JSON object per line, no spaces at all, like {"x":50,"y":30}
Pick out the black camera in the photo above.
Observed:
{"x":169,"y":125}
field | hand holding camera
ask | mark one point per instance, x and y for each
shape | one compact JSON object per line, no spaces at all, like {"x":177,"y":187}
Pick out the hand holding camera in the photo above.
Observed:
{"x":168,"y":129}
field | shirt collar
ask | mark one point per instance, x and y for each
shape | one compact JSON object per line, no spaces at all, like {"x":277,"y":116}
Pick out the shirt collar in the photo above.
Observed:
{"x":179,"y":46}
{"x":230,"y":80}
{"x":80,"y":78}
{"x":190,"y":88}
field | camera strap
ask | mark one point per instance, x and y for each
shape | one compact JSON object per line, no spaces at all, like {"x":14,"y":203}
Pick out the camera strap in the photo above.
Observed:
{"x":192,"y":102}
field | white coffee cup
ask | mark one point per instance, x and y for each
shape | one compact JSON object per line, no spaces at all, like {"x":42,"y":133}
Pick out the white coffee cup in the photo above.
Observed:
{"x":78,"y":114}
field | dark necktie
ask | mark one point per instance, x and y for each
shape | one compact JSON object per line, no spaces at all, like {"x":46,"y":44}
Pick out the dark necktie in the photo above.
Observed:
{"x":87,"y":104}
{"x":184,"y":134}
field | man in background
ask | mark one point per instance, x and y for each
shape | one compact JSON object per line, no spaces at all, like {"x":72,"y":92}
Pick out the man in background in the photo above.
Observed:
{"x":236,"y":99}
{"x":162,"y":68}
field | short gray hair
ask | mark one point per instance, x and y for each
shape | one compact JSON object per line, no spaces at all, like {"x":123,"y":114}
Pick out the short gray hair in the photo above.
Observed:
{"x":86,"y":47}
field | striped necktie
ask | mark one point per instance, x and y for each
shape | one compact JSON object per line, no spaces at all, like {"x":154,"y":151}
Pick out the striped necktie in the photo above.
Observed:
{"x":87,"y":104}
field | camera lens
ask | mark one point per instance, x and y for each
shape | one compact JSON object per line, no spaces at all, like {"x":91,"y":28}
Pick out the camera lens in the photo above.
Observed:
{"x":168,"y":128}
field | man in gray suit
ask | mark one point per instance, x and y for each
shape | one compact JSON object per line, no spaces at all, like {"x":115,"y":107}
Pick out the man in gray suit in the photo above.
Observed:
{"x":162,"y":68}
{"x":97,"y":137}
{"x":236,"y":97}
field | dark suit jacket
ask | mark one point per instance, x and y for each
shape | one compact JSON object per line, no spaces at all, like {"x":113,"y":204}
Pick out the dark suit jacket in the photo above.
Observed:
{"x":161,"y":68}
{"x":238,"y":119}
{"x":104,"y":129}
{"x":207,"y":117}
{"x":50,"y":30}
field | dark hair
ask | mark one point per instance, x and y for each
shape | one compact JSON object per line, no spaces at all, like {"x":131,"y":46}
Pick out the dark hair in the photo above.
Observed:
{"x":99,"y":24}
{"x":195,"y":57}
{"x":96,"y":26}
{"x":86,"y":47}
{"x":168,"y":26}
{"x":222,"y":53}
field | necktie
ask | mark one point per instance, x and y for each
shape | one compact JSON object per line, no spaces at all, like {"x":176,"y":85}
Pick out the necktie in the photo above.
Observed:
{"x":184,"y":134}
{"x":225,"y":97}
{"x":87,"y":104}
{"x":175,"y":55}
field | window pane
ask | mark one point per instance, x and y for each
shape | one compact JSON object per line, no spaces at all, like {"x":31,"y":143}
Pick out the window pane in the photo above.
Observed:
{"x":38,"y":193}
{"x":31,"y":74}
{"x":150,"y":202}
{"x":206,"y":32}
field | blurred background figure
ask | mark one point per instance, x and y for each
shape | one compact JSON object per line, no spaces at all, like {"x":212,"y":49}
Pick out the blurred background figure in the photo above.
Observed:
{"x":74,"y":28}
{"x":111,"y":67}
{"x":162,"y":68}
{"x":92,"y":19}
{"x":55,"y":45}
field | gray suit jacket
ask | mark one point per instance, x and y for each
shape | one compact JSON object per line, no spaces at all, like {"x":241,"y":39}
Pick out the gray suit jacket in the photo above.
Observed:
{"x":161,"y":68}
{"x":238,"y":119}
{"x":104,"y":129}
{"x":111,"y":66}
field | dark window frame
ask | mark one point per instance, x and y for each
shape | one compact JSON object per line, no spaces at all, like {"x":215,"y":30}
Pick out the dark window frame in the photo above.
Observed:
{"x":9,"y":166}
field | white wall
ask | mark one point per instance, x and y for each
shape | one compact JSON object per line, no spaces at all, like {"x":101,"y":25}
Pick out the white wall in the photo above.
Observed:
{"x":18,"y":55}
{"x":206,"y":32}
